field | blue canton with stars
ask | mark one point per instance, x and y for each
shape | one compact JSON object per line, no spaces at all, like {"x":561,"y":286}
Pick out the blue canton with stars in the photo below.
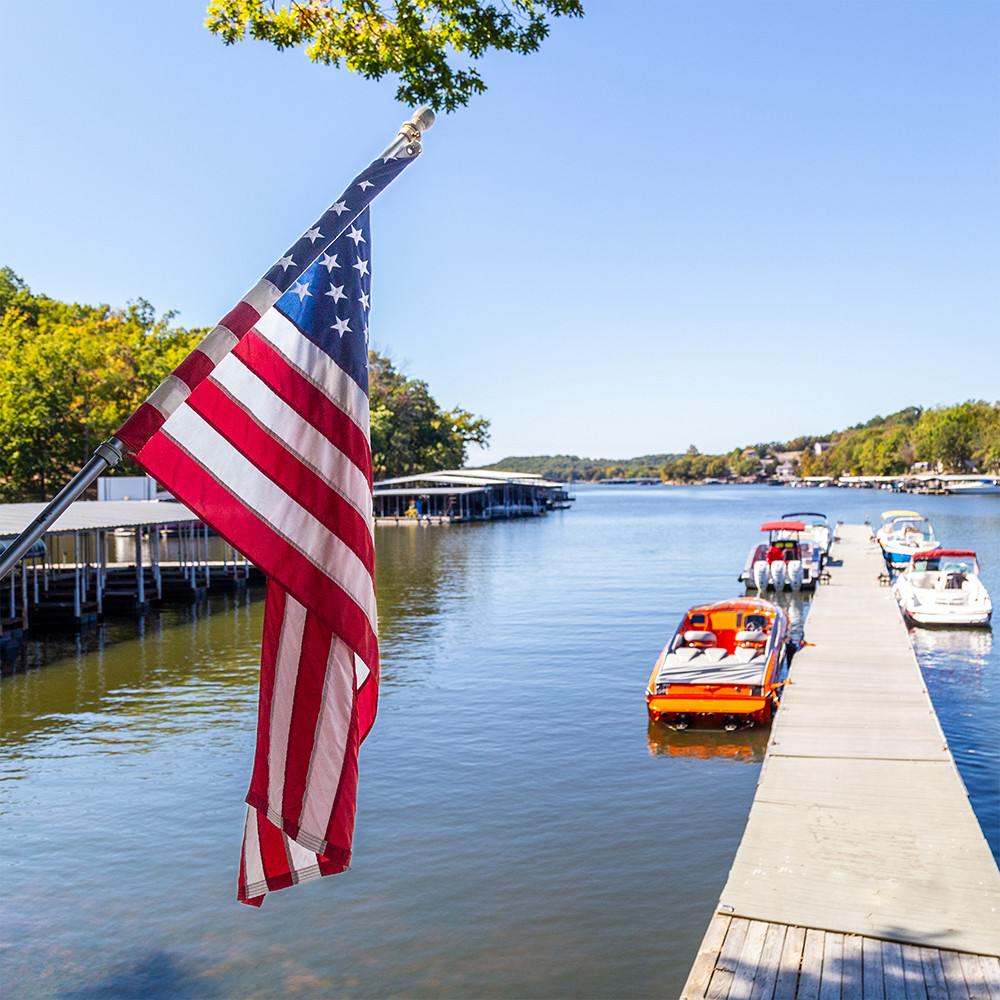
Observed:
{"x":338,"y":218}
{"x":330,"y":302}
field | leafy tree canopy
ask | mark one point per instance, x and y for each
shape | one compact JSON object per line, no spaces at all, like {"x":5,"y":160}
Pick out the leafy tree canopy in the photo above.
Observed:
{"x":412,"y":39}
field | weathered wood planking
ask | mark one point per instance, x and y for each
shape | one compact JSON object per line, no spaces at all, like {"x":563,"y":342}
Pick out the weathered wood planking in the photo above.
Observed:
{"x":743,"y":959}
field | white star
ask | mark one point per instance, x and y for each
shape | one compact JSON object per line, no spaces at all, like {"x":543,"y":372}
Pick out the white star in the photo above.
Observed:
{"x":337,"y":291}
{"x":362,"y":267}
{"x":286,"y":262}
{"x":342,"y":326}
{"x":339,"y":208}
{"x":301,"y":289}
{"x":364,"y":300}
{"x":356,"y":235}
{"x":329,"y":261}
{"x":364,"y":185}
{"x":313,"y":234}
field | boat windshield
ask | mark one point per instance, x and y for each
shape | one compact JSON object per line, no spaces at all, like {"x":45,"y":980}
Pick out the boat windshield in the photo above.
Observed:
{"x":946,"y":564}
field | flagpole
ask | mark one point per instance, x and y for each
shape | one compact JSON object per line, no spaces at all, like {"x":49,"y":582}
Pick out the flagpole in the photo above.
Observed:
{"x":107,"y":456}
{"x":111,"y":452}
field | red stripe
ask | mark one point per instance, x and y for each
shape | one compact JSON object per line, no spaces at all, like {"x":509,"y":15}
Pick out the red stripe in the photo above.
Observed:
{"x":219,"y":508}
{"x":281,"y":466}
{"x":140,"y":427}
{"x":310,"y":403}
{"x":194,"y":368}
{"x":340,"y":829}
{"x":306,"y":704}
{"x":273,"y":854}
{"x":240,"y":319}
{"x":274,"y":613}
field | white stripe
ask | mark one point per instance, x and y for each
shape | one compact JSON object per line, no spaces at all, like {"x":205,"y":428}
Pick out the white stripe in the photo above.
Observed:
{"x":362,"y":671}
{"x":262,"y":296}
{"x":253,"y":864}
{"x":168,"y":395}
{"x":231,"y":469}
{"x":302,"y":859}
{"x":315,"y":365}
{"x":296,"y":434}
{"x":329,"y":740}
{"x":218,"y":344}
{"x":286,"y":672}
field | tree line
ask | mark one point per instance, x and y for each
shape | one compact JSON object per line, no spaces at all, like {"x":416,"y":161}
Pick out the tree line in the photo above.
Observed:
{"x":71,"y":374}
{"x":954,"y":438}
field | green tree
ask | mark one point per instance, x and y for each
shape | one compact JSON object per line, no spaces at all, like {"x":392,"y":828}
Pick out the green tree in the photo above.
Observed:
{"x":410,"y":433}
{"x":69,"y":376}
{"x":412,"y":39}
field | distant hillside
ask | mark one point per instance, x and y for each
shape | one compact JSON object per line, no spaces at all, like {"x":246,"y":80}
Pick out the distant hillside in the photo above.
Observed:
{"x":567,"y":468}
{"x":955,"y":438}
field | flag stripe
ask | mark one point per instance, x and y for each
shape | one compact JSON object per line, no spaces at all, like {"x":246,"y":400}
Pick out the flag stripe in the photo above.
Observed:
{"x":304,"y":689}
{"x":329,"y":750}
{"x":311,"y":402}
{"x":237,"y":474}
{"x":299,"y":433}
{"x":315,"y":365}
{"x":281,"y":465}
{"x":283,"y":692}
{"x":296,"y":572}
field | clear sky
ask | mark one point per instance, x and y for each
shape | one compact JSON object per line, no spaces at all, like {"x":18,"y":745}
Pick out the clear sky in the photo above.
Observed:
{"x":679,"y":222}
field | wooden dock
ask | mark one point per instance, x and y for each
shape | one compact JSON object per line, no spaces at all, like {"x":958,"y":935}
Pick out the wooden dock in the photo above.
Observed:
{"x":863,"y":871}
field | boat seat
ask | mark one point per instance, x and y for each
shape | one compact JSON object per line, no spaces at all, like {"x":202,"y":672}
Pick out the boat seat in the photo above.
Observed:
{"x":714,"y":654}
{"x":747,"y":654}
{"x":686,"y":653}
{"x":752,"y":636}
{"x":693,"y":637}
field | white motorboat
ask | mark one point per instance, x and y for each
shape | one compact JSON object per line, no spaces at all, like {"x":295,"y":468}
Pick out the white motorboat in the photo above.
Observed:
{"x":817,"y":528}
{"x":786,"y":559}
{"x":972,"y":485}
{"x":904,"y":532}
{"x":942,"y":587}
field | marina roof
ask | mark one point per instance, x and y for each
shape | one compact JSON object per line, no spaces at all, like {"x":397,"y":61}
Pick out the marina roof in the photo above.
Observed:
{"x":471,"y":477}
{"x":430,"y":491}
{"x":87,"y":515}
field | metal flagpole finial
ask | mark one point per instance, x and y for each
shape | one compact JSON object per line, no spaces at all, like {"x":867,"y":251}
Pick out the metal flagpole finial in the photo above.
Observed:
{"x":408,"y":141}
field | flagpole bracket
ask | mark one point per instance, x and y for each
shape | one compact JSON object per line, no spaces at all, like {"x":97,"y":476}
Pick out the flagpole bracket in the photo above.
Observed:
{"x":408,"y":140}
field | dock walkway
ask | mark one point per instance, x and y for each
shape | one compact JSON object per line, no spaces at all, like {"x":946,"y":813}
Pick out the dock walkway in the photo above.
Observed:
{"x":863,"y":871}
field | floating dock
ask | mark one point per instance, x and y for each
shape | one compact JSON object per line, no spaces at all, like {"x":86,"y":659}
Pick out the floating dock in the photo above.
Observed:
{"x":863,"y":871}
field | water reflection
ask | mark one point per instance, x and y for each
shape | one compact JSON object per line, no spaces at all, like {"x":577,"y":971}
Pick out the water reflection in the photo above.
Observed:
{"x":745,"y":746}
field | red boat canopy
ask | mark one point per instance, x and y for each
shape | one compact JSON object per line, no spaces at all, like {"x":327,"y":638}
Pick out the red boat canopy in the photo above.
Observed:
{"x":938,"y":553}
{"x":783,"y":526}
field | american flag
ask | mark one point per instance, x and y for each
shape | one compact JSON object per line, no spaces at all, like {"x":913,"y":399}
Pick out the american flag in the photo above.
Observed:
{"x":263,"y":432}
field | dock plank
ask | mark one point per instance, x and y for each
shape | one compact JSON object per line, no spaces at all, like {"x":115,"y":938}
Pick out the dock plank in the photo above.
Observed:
{"x":786,"y":986}
{"x":893,"y":980}
{"x":833,"y":966}
{"x":770,"y":963}
{"x":729,"y":956}
{"x":811,"y":973}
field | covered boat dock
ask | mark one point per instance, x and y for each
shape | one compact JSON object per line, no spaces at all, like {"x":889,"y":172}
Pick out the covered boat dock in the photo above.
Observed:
{"x":466,"y":495}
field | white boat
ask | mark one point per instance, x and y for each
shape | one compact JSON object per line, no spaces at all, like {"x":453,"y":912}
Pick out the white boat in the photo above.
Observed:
{"x":904,"y":532}
{"x":817,"y":528}
{"x":942,"y":587}
{"x":972,"y":485}
{"x":786,"y":559}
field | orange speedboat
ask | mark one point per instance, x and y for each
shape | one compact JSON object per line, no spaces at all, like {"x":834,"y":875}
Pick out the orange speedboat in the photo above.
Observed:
{"x":725,"y":665}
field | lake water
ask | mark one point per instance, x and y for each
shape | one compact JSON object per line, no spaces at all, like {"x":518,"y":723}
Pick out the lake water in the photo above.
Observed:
{"x":522,"y":830}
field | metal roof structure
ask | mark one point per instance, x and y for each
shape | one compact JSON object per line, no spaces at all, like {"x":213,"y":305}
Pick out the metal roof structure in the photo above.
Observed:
{"x":90,"y":515}
{"x":471,"y":477}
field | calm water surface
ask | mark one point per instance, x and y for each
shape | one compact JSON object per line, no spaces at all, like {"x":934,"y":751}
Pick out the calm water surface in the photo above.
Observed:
{"x":522,"y":830}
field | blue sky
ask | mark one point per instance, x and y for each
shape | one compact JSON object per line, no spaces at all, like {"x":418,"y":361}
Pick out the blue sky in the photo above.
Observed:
{"x":679,"y":222}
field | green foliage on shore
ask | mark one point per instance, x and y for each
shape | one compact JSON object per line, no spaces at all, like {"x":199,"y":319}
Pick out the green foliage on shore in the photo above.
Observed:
{"x":71,"y":374}
{"x":953,"y":437}
{"x":571,"y":468}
